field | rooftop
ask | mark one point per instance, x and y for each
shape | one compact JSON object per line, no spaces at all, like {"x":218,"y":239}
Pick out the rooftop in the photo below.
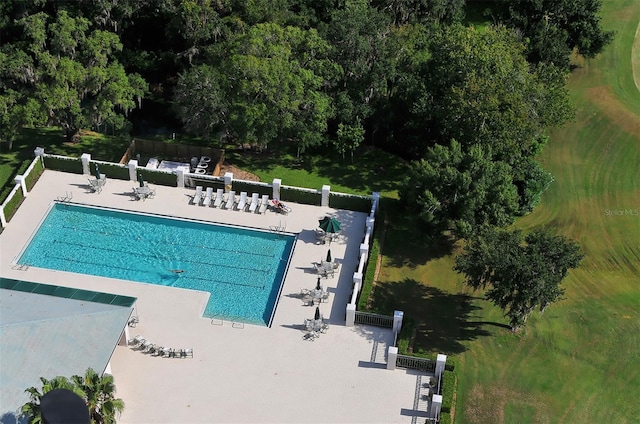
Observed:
{"x":239,"y":373}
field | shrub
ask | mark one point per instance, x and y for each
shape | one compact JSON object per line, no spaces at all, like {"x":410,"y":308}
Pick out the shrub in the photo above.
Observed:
{"x":448,"y":389}
{"x":58,"y":163}
{"x":370,"y":271}
{"x":350,"y":202}
{"x":306,"y":197}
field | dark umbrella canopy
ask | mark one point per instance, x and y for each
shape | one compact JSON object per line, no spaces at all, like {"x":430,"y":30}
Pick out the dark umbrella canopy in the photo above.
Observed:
{"x":317,"y":316}
{"x":329,"y":255}
{"x":140,"y":180}
{"x":329,"y":224}
{"x":97,"y":172}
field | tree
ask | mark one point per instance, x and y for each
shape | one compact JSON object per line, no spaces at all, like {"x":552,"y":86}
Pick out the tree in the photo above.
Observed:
{"x":422,"y":11}
{"x":31,"y":409}
{"x":271,"y":83}
{"x":58,"y":71}
{"x":519,"y":273}
{"x":480,"y":90}
{"x":349,"y":137}
{"x":460,"y":189}
{"x":97,"y":392}
{"x":556,"y":27}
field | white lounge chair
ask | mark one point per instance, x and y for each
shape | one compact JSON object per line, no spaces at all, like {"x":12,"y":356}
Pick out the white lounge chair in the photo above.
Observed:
{"x":231,"y":200}
{"x":255,"y":199}
{"x":264,"y":203}
{"x":242,"y":203}
{"x":207,"y":197}
{"x":198,"y":196}
{"x":219,"y":198}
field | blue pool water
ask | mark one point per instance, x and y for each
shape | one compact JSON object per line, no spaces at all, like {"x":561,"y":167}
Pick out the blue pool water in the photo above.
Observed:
{"x":243,"y":269}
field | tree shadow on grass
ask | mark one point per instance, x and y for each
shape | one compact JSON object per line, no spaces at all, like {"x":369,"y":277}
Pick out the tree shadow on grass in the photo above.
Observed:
{"x":442,"y":321}
{"x":407,"y":243}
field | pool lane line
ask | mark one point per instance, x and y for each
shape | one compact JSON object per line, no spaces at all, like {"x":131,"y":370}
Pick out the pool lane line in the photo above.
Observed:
{"x":168,"y":258}
{"x":138,"y":270}
{"x":174,"y":244}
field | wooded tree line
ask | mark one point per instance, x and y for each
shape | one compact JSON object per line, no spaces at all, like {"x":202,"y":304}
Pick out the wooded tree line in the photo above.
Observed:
{"x":469,"y":107}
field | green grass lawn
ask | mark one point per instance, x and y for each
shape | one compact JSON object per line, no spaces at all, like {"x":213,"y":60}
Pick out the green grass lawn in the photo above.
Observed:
{"x":579,"y":362}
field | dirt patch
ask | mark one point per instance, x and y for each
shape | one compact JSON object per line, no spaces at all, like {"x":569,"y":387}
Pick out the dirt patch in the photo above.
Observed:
{"x":238,"y":173}
{"x":614,"y":110}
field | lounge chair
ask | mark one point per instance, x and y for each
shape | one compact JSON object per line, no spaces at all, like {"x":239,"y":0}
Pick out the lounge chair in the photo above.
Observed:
{"x":231,"y":200}
{"x":96,"y":184}
{"x":136,"y":341}
{"x":255,"y":199}
{"x":280,"y":207}
{"x":207,"y":197}
{"x":310,"y":336}
{"x":242,"y":203}
{"x":198,"y":196}
{"x":183,"y":353}
{"x":264,"y":203}
{"x":219,"y":198}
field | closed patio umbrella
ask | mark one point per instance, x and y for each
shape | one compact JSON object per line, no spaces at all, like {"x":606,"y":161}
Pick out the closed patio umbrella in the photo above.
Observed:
{"x":97,"y":172}
{"x":318,"y":286}
{"x":317,"y":315}
{"x":329,"y":224}
{"x":140,"y":180}
{"x":329,"y":255}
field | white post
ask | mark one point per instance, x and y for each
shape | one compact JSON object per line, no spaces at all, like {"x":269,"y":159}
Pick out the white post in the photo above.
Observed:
{"x":3,"y":219}
{"x":133,"y":166}
{"x":392,"y":355}
{"x":370,"y":222}
{"x":376,"y":200}
{"x":351,"y":315}
{"x":180,"y":177}
{"x":364,"y":250}
{"x":86,"y":158}
{"x":357,"y":278}
{"x":324,"y":201}
{"x":441,"y":361}
{"x":277,"y":182}
{"x":436,"y":404}
{"x":228,"y":181}
{"x":397,"y":321}
{"x":20,"y":180}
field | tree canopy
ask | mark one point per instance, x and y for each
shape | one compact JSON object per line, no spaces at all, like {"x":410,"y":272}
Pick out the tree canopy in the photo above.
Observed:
{"x":60,"y":71}
{"x":519,"y":273}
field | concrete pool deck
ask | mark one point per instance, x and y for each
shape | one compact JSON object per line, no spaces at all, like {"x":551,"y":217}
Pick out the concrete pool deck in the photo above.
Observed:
{"x":239,"y":373}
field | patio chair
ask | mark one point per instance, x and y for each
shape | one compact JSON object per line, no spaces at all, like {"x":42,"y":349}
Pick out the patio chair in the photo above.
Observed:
{"x":242,"y":203}
{"x":264,"y":204}
{"x":231,"y":200}
{"x":198,"y":196}
{"x":207,"y":197}
{"x":219,"y":198}
{"x":310,"y":336}
{"x":136,"y":341}
{"x":165,"y":352}
{"x":255,"y":199}
{"x":97,"y":184}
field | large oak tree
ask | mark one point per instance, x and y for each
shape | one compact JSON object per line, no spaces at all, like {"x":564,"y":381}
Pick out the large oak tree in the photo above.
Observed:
{"x":518,"y":273}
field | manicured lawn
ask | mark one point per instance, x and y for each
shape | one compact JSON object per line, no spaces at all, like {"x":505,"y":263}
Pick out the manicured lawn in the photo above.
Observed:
{"x":578,"y":362}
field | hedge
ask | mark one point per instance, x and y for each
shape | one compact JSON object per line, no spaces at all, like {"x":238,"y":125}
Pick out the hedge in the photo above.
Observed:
{"x":370,"y":271}
{"x":113,"y":171}
{"x":304,"y":197}
{"x":156,"y":177}
{"x":240,"y":186}
{"x":448,"y":389}
{"x":350,"y":202}
{"x":12,"y":205}
{"x":33,"y":177}
{"x":71,"y":165}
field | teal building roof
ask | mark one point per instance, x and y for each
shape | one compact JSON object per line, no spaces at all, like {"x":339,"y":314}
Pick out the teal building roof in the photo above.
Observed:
{"x":46,"y":331}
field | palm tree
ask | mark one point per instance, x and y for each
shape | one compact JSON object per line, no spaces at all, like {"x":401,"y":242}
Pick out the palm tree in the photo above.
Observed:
{"x":99,"y":393}
{"x":31,"y":409}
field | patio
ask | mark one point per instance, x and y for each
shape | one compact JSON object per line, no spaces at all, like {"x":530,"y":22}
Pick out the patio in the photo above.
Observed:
{"x":239,"y":373}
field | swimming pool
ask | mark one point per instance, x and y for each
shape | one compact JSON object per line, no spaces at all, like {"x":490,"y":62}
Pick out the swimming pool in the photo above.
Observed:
{"x":242,"y":269}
